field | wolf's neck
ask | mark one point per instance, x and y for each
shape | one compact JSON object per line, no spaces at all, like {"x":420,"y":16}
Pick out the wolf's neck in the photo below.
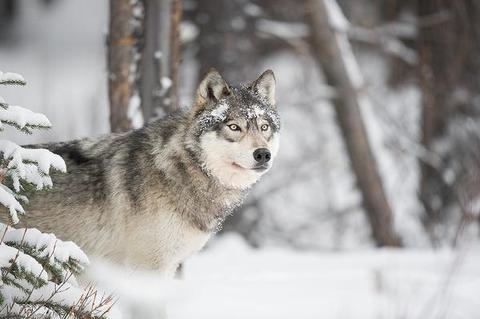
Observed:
{"x":199,"y":198}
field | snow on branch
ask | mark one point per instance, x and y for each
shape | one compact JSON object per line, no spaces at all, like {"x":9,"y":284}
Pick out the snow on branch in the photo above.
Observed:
{"x":9,"y":78}
{"x":336,"y":18}
{"x":388,"y":43}
{"x":18,"y":155}
{"x":46,"y":245}
{"x":3,"y":103}
{"x":37,"y":270}
{"x":22,"y":118}
{"x":340,"y":25}
{"x":38,"y":276}
{"x":12,"y":257}
{"x":10,"y":201}
{"x":280,"y":29}
{"x":30,"y":165}
{"x":58,"y":301}
{"x":385,"y":37}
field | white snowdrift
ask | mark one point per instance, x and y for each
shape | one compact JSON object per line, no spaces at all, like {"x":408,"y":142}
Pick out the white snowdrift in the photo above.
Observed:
{"x":231,"y":280}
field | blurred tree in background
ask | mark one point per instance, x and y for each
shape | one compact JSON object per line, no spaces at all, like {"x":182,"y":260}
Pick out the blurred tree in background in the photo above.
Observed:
{"x":426,"y":47}
{"x":449,"y":62}
{"x":433,"y":44}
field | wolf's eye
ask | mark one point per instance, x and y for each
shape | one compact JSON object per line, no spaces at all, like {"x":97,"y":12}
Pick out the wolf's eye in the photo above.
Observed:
{"x":264,"y":127}
{"x":234,"y":127}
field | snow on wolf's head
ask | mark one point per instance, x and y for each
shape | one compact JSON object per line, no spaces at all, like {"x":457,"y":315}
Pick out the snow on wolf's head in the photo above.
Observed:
{"x":237,"y":129}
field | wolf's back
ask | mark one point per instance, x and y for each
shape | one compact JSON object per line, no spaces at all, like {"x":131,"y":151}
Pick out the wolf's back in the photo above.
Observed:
{"x":77,"y":206}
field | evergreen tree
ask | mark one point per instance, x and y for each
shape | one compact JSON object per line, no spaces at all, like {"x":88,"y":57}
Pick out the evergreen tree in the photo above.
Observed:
{"x":37,"y":270}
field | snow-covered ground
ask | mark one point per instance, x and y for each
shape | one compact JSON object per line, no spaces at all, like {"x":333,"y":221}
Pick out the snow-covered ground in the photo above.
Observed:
{"x":232,"y":280}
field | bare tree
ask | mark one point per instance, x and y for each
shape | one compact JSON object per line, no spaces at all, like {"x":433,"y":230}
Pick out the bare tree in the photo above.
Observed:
{"x":175,"y":46}
{"x":121,"y":42}
{"x":234,"y":35}
{"x":160,"y":57}
{"x":448,"y":47}
{"x":333,"y":52}
{"x":143,"y":57}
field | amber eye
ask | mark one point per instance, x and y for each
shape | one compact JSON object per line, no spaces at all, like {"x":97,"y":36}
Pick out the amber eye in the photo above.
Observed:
{"x":234,"y":127}
{"x":264,"y":127}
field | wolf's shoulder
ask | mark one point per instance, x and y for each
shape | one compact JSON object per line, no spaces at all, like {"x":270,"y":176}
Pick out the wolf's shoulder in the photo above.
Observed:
{"x":84,"y":151}
{"x":167,"y":126}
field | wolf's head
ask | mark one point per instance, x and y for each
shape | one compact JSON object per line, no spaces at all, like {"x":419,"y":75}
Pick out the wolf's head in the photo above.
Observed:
{"x":235,"y":131}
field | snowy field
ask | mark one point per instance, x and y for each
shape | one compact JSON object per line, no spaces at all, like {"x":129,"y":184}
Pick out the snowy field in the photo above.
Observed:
{"x":231,"y":280}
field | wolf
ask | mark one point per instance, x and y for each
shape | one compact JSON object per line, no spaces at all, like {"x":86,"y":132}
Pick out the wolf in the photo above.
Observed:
{"x":152,"y":197}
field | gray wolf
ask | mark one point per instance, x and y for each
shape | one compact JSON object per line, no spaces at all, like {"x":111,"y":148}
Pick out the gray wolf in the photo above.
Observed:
{"x":152,"y":197}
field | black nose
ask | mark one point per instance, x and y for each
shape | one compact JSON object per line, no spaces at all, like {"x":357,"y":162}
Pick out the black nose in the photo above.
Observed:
{"x":262,"y":155}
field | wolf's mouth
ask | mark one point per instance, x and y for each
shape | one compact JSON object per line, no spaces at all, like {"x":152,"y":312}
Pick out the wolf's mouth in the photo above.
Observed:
{"x":259,"y":168}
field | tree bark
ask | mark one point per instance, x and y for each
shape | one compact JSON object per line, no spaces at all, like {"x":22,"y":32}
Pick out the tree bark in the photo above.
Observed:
{"x":175,"y":45}
{"x":448,"y":50}
{"x":120,"y":58}
{"x":331,"y":49}
{"x":160,"y":57}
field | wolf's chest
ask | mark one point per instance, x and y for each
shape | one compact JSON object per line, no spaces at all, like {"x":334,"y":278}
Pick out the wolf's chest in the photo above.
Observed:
{"x":178,"y":239}
{"x":165,"y":240}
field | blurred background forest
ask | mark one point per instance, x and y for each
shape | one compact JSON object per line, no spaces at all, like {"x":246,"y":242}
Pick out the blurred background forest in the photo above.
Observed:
{"x":380,"y":107}
{"x":384,"y":155}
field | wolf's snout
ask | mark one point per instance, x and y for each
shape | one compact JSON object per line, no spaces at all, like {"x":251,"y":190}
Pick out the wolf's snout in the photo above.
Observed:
{"x":262,"y":155}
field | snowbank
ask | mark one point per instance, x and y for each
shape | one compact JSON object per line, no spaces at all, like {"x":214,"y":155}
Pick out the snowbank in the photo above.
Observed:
{"x":231,"y":280}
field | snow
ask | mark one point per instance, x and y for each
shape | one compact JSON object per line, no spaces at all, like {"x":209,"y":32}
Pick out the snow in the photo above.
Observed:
{"x":338,"y":21}
{"x":18,"y":163}
{"x":232,"y":280}
{"x":9,"y":254}
{"x":284,"y":30}
{"x":134,"y":112}
{"x":389,"y":43}
{"x":42,"y":157}
{"x":46,"y":244}
{"x":31,"y":165}
{"x":392,"y":121}
{"x":11,"y":78}
{"x":66,"y":295}
{"x":220,"y":112}
{"x":252,"y":10}
{"x":238,"y":23}
{"x":23,"y":118}
{"x":335,"y":15}
{"x":166,"y":82}
{"x":158,"y":55}
{"x":25,"y":294}
{"x":7,"y":199}
{"x":474,"y":206}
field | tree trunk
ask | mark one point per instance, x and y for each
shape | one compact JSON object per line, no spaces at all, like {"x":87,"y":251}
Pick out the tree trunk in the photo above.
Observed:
{"x":120,"y":59}
{"x":434,"y":85}
{"x":160,"y":57}
{"x":333,"y":52}
{"x":175,"y":45}
{"x":230,"y":38}
{"x":448,"y":50}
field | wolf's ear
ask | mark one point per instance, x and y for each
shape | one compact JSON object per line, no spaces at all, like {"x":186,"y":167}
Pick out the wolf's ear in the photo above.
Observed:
{"x":212,"y":88}
{"x":265,"y":86}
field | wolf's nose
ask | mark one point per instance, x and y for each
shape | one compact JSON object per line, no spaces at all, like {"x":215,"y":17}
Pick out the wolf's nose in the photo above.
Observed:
{"x":262,"y":155}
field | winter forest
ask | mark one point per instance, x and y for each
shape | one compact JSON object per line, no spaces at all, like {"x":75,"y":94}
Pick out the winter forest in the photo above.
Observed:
{"x":371,"y":208}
